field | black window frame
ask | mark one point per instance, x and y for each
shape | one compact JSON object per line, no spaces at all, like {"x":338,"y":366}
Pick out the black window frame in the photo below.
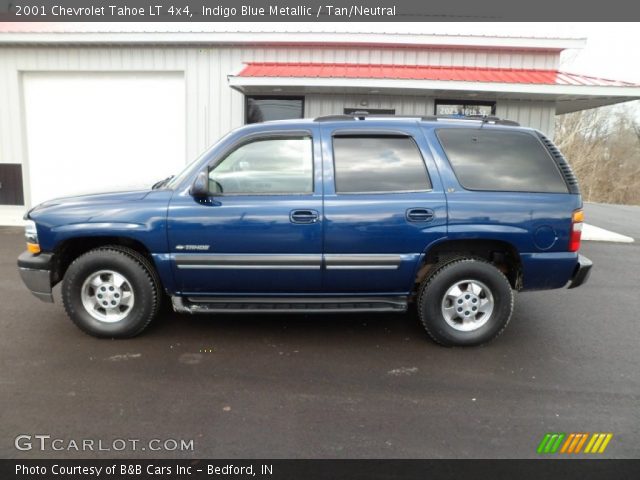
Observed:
{"x":268,"y":97}
{"x":377,"y":133}
{"x":448,"y":101}
{"x":493,"y":190}
{"x":11,"y":184}
{"x":262,"y":136}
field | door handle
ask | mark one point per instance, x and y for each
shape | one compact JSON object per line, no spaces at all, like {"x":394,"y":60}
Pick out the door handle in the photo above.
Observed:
{"x":304,"y":216}
{"x":419,"y":215}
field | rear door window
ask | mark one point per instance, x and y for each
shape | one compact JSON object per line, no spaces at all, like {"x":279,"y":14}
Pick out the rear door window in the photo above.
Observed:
{"x":378,"y":164}
{"x":498,"y":160}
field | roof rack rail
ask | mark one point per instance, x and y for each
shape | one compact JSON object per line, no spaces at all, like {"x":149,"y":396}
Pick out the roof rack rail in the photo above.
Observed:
{"x":475,"y":118}
{"x":493,"y":119}
{"x":362,"y":114}
{"x":333,"y":118}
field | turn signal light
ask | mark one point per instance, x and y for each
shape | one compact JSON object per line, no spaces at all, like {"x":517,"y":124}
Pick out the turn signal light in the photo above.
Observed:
{"x":33,"y":248}
{"x":575,"y":234}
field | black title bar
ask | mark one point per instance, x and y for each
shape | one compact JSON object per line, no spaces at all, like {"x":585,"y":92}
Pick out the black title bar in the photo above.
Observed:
{"x":319,"y":469}
{"x":315,"y":10}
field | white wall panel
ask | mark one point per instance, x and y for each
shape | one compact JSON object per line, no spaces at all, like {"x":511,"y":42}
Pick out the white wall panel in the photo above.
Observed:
{"x":324,"y":104}
{"x":101,"y":131}
{"x":535,"y":114}
{"x":211,"y":107}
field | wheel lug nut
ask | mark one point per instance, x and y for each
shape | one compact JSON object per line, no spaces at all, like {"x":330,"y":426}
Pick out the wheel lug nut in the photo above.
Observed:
{"x":474,"y":308}
{"x":113,"y":302}
{"x":111,"y":289}
{"x":474,"y":300}
{"x":99,"y":295}
{"x":466,"y":313}
{"x":467,"y":297}
{"x":460,"y":300}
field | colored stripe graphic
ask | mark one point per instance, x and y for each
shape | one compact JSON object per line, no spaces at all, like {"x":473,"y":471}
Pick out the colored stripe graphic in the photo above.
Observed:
{"x":573,"y":443}
{"x":543,"y":443}
{"x":581,"y":442}
{"x":550,"y":443}
{"x":598,"y":443}
{"x":565,"y":447}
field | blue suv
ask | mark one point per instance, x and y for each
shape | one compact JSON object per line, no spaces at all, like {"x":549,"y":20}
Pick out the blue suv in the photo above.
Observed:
{"x":333,"y":214}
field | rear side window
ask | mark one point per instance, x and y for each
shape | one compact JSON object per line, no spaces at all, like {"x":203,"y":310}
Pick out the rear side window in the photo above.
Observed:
{"x":376,"y":164}
{"x":485,"y":159}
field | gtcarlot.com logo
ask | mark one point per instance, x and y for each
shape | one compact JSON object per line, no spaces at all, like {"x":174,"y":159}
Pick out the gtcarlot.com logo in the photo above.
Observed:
{"x":45,"y":443}
{"x":574,"y":443}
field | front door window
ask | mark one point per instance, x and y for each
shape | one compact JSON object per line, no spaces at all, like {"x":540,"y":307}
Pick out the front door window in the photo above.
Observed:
{"x":266,"y":166}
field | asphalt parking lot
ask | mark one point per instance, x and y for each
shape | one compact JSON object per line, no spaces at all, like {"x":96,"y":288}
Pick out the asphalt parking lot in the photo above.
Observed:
{"x":363,"y":386}
{"x":624,"y":219}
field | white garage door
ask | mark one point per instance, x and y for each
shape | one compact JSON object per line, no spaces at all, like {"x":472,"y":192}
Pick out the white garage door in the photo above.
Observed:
{"x":99,"y":132}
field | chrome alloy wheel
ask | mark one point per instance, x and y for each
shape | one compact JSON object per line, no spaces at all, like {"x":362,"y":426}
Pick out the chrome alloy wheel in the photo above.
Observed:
{"x":107,"y":296}
{"x":467,"y":305}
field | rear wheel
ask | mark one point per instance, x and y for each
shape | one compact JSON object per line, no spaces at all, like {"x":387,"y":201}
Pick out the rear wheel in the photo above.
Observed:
{"x":465,"y":302}
{"x":111,"y":292}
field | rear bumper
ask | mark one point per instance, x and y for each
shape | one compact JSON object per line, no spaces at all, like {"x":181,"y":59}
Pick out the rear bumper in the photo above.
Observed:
{"x":582,"y":272}
{"x":549,"y":270}
{"x":35,"y":271}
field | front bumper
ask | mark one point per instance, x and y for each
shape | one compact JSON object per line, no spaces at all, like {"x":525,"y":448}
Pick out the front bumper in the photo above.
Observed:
{"x":582,"y":272}
{"x":35,"y":271}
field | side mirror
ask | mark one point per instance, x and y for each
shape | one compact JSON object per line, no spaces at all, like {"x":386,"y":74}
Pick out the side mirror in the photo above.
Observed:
{"x":200,"y":187}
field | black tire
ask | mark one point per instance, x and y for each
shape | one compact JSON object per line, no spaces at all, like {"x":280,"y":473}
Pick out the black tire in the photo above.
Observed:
{"x":445,"y":276}
{"x":141,"y":277}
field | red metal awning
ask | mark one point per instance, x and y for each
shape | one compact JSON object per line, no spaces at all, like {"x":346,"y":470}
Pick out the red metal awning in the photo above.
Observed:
{"x":425,"y":72}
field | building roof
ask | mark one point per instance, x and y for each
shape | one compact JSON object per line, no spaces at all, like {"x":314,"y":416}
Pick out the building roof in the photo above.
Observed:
{"x":124,"y":33}
{"x":426,"y":72}
{"x":570,"y":92}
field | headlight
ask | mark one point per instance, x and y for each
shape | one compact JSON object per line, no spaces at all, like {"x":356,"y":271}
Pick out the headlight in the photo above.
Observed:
{"x":31,"y":235}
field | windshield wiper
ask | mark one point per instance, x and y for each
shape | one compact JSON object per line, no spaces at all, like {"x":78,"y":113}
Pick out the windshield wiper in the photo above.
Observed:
{"x":162,"y":183}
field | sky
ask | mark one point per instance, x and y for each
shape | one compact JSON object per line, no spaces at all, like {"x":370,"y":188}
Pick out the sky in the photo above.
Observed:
{"x":611,"y":51}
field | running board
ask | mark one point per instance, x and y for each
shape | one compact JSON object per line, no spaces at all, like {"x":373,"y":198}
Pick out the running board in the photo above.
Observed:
{"x":288,"y":305}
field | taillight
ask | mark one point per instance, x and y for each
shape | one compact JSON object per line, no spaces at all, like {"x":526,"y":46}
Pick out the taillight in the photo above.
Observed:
{"x":577,"y":220}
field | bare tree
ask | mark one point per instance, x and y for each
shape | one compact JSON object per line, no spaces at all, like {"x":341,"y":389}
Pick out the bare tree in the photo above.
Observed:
{"x":603,"y":147}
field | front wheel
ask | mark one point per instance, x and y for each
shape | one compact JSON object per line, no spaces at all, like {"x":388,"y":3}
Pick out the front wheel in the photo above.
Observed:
{"x":465,"y":302}
{"x":111,"y":292}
